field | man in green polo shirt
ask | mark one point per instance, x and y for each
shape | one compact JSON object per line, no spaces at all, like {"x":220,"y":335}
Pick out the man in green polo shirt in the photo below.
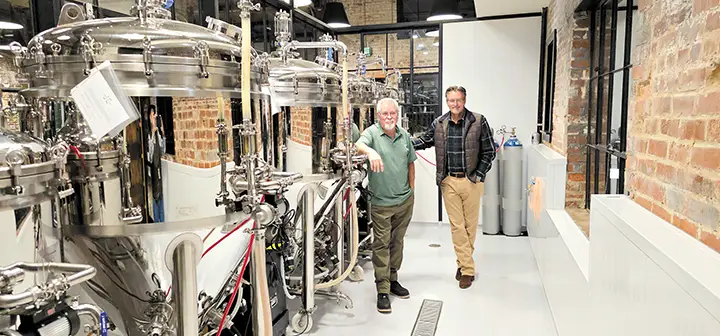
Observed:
{"x":391,"y":182}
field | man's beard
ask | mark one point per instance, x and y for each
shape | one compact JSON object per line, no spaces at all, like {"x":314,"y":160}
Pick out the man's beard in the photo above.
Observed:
{"x":388,"y":126}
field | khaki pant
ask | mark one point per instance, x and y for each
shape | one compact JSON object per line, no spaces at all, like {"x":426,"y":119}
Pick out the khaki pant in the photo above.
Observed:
{"x":389,"y":227}
{"x":462,"y":202}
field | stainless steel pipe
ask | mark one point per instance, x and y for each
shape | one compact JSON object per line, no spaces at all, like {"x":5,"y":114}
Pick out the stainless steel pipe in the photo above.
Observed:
{"x":309,"y":245}
{"x":185,"y":289}
{"x":89,"y":310}
{"x":239,"y":185}
{"x":285,"y":50}
{"x":340,"y":221}
{"x":81,"y":273}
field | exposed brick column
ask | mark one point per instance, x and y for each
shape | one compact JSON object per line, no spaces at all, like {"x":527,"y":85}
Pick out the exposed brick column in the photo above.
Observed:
{"x":577,"y":112}
{"x":570,"y":113}
{"x":674,"y":135}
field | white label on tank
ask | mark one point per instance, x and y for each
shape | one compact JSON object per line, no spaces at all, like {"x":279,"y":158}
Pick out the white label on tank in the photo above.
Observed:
{"x":614,"y":173}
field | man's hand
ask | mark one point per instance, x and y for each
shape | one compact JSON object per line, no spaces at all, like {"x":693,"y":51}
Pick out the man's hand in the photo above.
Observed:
{"x":376,"y":163}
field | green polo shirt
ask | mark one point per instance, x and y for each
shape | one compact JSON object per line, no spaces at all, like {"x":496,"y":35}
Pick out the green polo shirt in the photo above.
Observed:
{"x":355,"y":133}
{"x":391,"y":186}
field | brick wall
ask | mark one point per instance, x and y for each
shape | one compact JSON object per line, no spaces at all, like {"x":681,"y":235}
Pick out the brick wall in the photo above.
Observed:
{"x":301,"y":125}
{"x":8,"y":73}
{"x":196,"y":141}
{"x":674,"y":133}
{"x":570,"y":113}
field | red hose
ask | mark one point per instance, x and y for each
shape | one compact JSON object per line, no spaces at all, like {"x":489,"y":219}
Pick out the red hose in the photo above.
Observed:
{"x":237,"y":284}
{"x":225,"y":236}
{"x":262,"y":199}
{"x":242,"y":270}
{"x":426,"y":160}
{"x":77,"y":152}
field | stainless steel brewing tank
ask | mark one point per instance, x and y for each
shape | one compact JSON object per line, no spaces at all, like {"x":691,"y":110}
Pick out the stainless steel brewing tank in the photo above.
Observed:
{"x":30,"y":170}
{"x":310,"y":96}
{"x":95,"y":168}
{"x":151,"y":57}
{"x":363,"y":91}
{"x":303,"y":83}
{"x":135,"y":268}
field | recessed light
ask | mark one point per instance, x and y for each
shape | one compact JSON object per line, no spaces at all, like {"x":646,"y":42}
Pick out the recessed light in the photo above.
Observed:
{"x":338,"y":25}
{"x":300,"y":3}
{"x":10,"y":25}
{"x":444,"y":17}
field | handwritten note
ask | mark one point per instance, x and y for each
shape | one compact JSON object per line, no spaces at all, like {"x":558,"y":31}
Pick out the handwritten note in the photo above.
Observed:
{"x":103,"y":103}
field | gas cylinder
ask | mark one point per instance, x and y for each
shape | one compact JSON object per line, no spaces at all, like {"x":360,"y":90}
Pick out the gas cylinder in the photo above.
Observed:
{"x":512,"y":185}
{"x":491,"y":197}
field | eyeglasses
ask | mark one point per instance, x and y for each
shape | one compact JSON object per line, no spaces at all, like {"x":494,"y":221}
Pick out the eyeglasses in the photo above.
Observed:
{"x":453,"y":101}
{"x":387,"y":114}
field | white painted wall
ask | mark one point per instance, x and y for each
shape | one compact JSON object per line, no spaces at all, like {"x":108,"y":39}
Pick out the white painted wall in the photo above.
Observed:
{"x":299,"y":158}
{"x":497,"y":62}
{"x":426,"y":190}
{"x":495,"y":7}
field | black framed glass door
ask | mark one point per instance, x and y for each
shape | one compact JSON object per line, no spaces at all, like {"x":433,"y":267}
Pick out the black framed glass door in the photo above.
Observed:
{"x":608,"y":92}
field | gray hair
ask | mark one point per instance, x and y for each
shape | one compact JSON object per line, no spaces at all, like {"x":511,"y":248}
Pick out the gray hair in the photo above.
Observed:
{"x":385,"y":101}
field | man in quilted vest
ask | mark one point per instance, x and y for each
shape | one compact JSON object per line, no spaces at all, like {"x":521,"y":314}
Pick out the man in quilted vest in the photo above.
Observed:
{"x":464,"y":150}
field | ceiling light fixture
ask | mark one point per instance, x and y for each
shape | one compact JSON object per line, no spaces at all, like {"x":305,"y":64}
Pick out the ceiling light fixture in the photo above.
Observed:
{"x":300,"y":3}
{"x":444,"y":10}
{"x":10,"y":25}
{"x":335,"y":15}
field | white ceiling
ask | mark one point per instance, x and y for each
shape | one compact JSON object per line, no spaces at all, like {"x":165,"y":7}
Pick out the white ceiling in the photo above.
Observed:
{"x":504,"y":7}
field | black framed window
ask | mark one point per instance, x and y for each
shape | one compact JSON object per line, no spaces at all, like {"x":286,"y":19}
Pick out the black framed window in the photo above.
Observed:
{"x":419,"y":65}
{"x":545,"y":116}
{"x":608,"y":93}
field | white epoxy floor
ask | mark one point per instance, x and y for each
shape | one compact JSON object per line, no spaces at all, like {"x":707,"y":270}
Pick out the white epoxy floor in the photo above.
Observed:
{"x":507,"y":297}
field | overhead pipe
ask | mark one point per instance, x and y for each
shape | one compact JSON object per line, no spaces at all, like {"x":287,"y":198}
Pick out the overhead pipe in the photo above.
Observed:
{"x":239,"y":185}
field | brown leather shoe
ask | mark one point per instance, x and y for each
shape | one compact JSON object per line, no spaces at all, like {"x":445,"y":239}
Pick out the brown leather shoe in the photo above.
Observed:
{"x":466,"y":281}
{"x":457,"y":275}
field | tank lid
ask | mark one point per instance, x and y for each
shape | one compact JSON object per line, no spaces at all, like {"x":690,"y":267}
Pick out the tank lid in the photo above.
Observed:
{"x":21,"y":148}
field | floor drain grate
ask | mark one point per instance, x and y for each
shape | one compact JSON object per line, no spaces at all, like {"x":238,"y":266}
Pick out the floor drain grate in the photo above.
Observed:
{"x":428,"y":317}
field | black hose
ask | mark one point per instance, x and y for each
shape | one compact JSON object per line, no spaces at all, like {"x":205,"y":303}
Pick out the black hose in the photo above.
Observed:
{"x":330,"y":199}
